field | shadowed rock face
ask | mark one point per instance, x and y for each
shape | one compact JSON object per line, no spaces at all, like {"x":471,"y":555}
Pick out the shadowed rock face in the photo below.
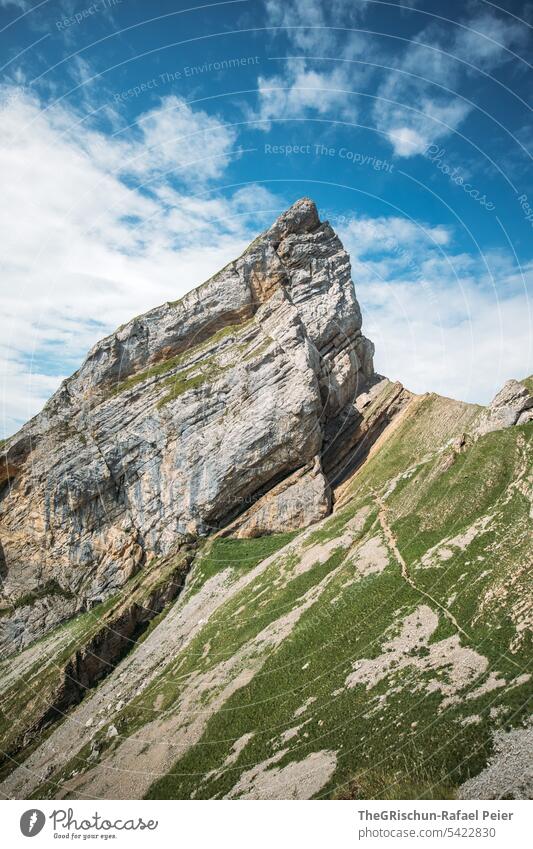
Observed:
{"x":179,"y":421}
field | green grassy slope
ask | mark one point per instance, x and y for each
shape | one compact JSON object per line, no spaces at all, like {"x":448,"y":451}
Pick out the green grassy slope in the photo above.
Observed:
{"x":384,"y":645}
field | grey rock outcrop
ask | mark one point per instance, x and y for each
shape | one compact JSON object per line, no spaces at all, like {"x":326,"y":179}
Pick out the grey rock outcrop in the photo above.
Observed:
{"x":180,"y":420}
{"x":512,"y":405}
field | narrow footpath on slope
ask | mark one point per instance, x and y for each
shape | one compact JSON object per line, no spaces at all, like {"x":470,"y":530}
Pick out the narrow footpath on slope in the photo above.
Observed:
{"x":404,"y":569}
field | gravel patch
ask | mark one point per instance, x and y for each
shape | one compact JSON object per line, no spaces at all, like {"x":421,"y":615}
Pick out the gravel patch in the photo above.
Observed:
{"x":296,"y":780}
{"x":509,"y":773}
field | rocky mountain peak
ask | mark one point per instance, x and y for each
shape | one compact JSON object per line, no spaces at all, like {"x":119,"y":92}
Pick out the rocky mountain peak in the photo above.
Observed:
{"x":302,"y":217}
{"x":235,"y":402}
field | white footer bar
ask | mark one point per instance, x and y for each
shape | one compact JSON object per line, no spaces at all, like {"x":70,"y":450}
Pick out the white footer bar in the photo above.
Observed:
{"x":267,"y":825}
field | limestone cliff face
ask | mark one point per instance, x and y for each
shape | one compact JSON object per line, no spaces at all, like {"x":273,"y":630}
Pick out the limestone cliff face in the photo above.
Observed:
{"x":215,"y":408}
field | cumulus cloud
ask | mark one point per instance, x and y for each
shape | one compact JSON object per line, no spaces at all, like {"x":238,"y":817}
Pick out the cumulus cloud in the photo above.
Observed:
{"x":173,"y":136}
{"x":391,"y":233}
{"x":171,"y":139}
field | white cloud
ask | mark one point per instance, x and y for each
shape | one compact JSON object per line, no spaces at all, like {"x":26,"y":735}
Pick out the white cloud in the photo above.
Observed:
{"x":302,"y":18}
{"x":304,"y":92}
{"x":416,"y":103}
{"x":488,"y":38}
{"x":169,"y":140}
{"x":431,"y":121}
{"x":371,"y":235}
{"x":173,"y":136}
{"x":316,"y":30}
{"x":84,"y":249}
{"x":406,"y":141}
{"x":435,"y":315}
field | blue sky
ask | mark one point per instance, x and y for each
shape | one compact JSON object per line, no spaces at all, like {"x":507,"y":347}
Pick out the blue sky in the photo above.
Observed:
{"x":143,"y":145}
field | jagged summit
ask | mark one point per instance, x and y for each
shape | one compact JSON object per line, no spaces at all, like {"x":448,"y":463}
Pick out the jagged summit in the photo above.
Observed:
{"x":240,"y":393}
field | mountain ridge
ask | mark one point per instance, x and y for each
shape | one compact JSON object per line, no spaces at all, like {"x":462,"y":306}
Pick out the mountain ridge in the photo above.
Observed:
{"x":356,"y":569}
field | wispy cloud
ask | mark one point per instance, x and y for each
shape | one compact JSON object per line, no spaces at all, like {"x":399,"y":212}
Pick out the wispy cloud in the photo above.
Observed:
{"x":415,"y":87}
{"x":416,"y":102}
{"x":20,"y":4}
{"x":313,"y":29}
{"x":301,"y":91}
{"x":313,"y":25}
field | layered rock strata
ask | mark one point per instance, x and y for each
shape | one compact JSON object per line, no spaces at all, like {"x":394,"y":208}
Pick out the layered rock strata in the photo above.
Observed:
{"x":180,"y":421}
